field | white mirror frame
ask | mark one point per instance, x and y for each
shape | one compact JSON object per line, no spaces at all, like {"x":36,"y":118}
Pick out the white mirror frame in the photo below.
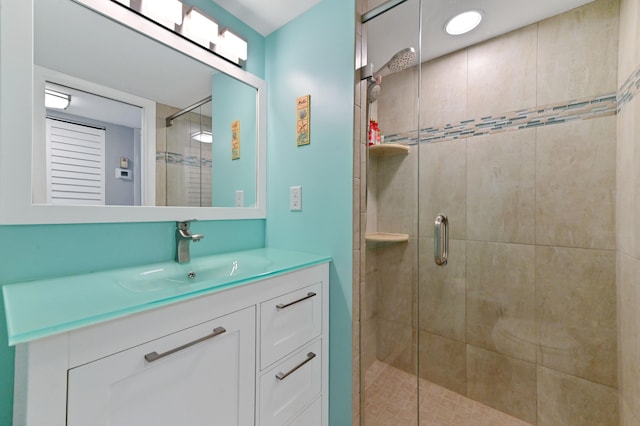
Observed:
{"x":17,"y":109}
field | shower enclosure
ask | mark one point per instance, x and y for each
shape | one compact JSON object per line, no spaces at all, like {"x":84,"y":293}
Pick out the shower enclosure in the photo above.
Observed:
{"x":184,"y":155}
{"x":488,"y":287}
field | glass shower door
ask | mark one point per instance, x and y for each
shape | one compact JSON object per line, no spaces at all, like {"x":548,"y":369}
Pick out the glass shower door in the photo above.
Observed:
{"x":519,"y":326}
{"x":389,"y":385}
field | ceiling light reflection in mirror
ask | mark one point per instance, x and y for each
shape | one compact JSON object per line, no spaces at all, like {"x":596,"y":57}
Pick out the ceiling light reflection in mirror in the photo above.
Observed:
{"x":56,"y":100}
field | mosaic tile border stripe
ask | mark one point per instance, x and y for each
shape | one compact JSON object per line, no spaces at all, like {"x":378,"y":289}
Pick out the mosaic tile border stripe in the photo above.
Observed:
{"x":629,"y":89}
{"x":579,"y":109}
{"x":175,"y":158}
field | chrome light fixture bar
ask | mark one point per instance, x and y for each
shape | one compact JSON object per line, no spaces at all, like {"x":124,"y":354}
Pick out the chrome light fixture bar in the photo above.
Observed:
{"x":194,"y":25}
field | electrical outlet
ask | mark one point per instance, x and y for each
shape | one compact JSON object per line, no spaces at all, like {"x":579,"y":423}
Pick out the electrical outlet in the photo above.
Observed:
{"x":239,"y":198}
{"x":295,"y":198}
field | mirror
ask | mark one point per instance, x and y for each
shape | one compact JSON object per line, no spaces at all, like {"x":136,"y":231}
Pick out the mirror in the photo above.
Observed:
{"x":180,"y":126}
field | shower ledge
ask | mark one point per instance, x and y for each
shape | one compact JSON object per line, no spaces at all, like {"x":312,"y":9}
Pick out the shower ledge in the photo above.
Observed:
{"x":388,"y":150}
{"x":386,"y":237}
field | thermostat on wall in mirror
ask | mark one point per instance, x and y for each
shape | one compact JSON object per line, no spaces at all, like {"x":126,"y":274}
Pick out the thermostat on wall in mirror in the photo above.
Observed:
{"x":123,"y":174}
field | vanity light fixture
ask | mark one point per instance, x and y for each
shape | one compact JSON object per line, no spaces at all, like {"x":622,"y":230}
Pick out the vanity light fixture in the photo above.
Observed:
{"x":203,"y":136}
{"x":232,"y":47}
{"x":165,"y":12}
{"x":56,"y":100}
{"x":199,"y":28}
{"x":192,"y":24}
{"x":463,"y":22}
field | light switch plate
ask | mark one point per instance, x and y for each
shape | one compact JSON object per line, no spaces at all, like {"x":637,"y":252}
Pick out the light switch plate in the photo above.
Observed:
{"x":295,"y":198}
{"x":239,"y":198}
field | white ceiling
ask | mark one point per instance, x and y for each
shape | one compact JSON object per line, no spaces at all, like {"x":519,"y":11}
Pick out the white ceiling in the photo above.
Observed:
{"x":393,"y":31}
{"x":398,"y":28}
{"x":265,"y":16}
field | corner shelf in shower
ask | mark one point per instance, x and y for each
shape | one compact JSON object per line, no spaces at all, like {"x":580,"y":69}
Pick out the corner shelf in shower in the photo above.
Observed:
{"x":386,"y":237}
{"x":388,"y":150}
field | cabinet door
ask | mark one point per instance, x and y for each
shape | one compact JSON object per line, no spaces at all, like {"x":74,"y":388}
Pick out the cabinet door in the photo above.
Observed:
{"x":208,"y":383}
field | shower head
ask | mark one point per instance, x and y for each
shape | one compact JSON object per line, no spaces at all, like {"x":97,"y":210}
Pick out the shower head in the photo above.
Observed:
{"x":373,"y":91}
{"x":399,"y":62}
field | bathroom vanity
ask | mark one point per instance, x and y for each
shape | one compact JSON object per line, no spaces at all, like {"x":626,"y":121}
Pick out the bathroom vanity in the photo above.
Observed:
{"x":235,"y":339}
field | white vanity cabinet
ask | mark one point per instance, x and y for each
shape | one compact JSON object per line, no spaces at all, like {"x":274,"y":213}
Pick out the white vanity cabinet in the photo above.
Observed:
{"x":254,"y":354}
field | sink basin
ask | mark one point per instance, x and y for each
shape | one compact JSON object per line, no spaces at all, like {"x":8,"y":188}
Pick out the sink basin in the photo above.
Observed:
{"x":209,"y":270}
{"x":41,"y":308}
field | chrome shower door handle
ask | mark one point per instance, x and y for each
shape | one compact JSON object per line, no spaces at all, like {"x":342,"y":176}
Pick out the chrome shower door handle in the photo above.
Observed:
{"x":441,"y":240}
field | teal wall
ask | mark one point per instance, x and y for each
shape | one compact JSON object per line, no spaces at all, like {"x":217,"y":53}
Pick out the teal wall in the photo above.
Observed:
{"x":255,"y":53}
{"x":314,"y":54}
{"x":233,"y":100}
{"x":30,"y":252}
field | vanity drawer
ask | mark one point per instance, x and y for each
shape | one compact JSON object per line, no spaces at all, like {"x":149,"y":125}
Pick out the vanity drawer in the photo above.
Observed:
{"x":288,"y":322}
{"x":288,"y":387}
{"x":311,"y":416}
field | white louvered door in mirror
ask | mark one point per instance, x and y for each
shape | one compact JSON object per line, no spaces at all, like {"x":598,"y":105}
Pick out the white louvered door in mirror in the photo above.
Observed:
{"x":75,"y":163}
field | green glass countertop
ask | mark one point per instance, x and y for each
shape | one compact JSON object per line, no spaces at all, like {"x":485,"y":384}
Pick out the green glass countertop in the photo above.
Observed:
{"x":38,"y":309}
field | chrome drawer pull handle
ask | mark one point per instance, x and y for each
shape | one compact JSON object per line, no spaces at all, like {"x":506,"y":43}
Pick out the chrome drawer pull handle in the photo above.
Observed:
{"x":308,"y":296}
{"x":154,"y":356}
{"x":282,"y":376}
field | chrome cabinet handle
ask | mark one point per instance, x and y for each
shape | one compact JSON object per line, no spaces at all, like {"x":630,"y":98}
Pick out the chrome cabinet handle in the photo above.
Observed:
{"x":154,"y":356}
{"x":441,"y":240}
{"x":283,"y":305}
{"x":282,"y":376}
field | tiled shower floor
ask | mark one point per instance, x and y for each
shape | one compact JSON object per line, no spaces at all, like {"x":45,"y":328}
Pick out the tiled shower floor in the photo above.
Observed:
{"x":390,"y":400}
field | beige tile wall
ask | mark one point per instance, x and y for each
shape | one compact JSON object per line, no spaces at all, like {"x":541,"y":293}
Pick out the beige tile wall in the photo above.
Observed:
{"x":569,"y":400}
{"x":502,"y":73}
{"x":502,"y":382}
{"x":565,"y":47}
{"x":627,"y":221}
{"x":501,"y":194}
{"x":523,"y":318}
{"x":579,"y":212}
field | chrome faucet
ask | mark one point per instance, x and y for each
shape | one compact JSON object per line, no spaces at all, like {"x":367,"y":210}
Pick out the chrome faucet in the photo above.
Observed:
{"x":183,"y":237}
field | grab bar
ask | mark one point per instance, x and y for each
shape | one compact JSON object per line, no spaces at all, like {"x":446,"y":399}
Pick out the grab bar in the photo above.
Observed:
{"x":441,"y":240}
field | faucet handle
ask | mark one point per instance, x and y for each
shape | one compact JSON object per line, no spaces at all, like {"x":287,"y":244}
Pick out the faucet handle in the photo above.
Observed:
{"x":184,"y":225}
